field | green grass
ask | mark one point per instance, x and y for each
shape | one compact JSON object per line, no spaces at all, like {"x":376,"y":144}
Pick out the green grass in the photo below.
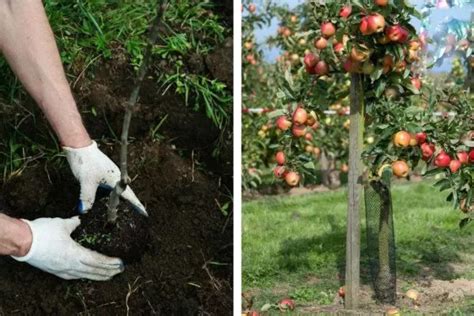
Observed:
{"x":295,"y":245}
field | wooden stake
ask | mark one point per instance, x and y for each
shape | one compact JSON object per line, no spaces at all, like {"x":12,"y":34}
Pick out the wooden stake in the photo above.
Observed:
{"x":355,"y":189}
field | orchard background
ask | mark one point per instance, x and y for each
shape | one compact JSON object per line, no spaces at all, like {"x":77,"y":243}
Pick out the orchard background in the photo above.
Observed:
{"x":416,"y":120}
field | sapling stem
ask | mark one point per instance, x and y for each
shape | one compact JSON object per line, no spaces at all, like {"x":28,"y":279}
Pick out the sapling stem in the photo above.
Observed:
{"x":129,"y":108}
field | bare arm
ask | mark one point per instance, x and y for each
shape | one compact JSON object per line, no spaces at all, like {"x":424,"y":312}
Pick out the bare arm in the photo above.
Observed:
{"x":15,"y":237}
{"x":28,"y":44}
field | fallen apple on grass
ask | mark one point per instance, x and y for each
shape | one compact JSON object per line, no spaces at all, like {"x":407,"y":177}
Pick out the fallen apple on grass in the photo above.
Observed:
{"x":286,"y":304}
{"x":412,"y":294}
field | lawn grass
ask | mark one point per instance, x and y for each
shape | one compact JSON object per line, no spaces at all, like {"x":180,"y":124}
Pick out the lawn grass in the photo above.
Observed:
{"x":294,"y":245}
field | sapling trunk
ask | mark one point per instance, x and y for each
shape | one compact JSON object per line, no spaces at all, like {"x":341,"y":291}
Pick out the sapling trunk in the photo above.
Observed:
{"x":129,"y":108}
{"x":385,"y":281}
{"x":384,"y":275}
{"x":324,"y":163}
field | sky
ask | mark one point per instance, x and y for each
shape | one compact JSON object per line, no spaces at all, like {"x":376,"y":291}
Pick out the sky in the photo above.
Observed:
{"x":437,"y":17}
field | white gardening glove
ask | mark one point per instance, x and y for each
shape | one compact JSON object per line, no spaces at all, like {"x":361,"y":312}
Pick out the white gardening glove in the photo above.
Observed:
{"x":93,"y":169}
{"x":54,"y":251}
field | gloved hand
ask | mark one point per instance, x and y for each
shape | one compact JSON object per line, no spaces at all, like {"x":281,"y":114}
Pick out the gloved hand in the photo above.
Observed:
{"x":54,"y":251}
{"x":93,"y":168}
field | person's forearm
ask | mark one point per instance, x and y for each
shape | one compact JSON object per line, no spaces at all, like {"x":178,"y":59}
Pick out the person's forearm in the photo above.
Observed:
{"x":15,"y":237}
{"x":27,"y":42}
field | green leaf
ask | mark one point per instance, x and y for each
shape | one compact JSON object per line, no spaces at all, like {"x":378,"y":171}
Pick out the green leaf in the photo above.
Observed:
{"x":276,"y":113}
{"x":380,"y":88}
{"x":309,"y":165}
{"x":266,"y":307}
{"x":433,"y":172}
{"x":376,"y":74}
{"x":413,"y":110}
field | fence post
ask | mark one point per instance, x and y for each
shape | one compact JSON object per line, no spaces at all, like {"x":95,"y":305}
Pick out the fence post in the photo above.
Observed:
{"x":355,"y":187}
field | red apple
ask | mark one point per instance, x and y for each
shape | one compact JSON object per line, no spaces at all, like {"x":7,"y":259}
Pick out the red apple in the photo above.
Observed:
{"x":280,"y":158}
{"x":360,"y":54}
{"x":310,"y":60}
{"x":252,"y":8}
{"x":292,"y":178}
{"x":376,"y":23}
{"x":471,"y":156}
{"x":402,"y":139}
{"x":416,"y":82}
{"x":345,"y":11}
{"x":283,"y":123}
{"x":310,"y":70}
{"x":299,"y":130}
{"x":315,"y":126}
{"x":321,"y":68}
{"x":463,"y":157}
{"x":341,"y":292}
{"x":454,"y":165}
{"x":300,"y":116}
{"x":286,"y":304}
{"x":279,"y":171}
{"x":397,"y":33}
{"x":351,"y":66}
{"x":338,"y":47}
{"x":364,"y":26}
{"x":421,"y":137}
{"x":442,"y":160}
{"x":308,"y":136}
{"x":381,"y":3}
{"x":400,"y":169}
{"x":321,"y":43}
{"x":328,"y":29}
{"x":427,"y":150}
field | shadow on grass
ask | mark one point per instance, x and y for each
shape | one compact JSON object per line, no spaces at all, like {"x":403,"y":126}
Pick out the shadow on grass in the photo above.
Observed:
{"x":324,"y":254}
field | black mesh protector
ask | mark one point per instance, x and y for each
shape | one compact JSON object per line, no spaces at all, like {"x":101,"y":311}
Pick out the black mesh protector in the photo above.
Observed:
{"x":381,"y":238}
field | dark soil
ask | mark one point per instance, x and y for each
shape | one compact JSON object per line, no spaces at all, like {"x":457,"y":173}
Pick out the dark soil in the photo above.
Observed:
{"x":128,"y":238}
{"x":185,"y":265}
